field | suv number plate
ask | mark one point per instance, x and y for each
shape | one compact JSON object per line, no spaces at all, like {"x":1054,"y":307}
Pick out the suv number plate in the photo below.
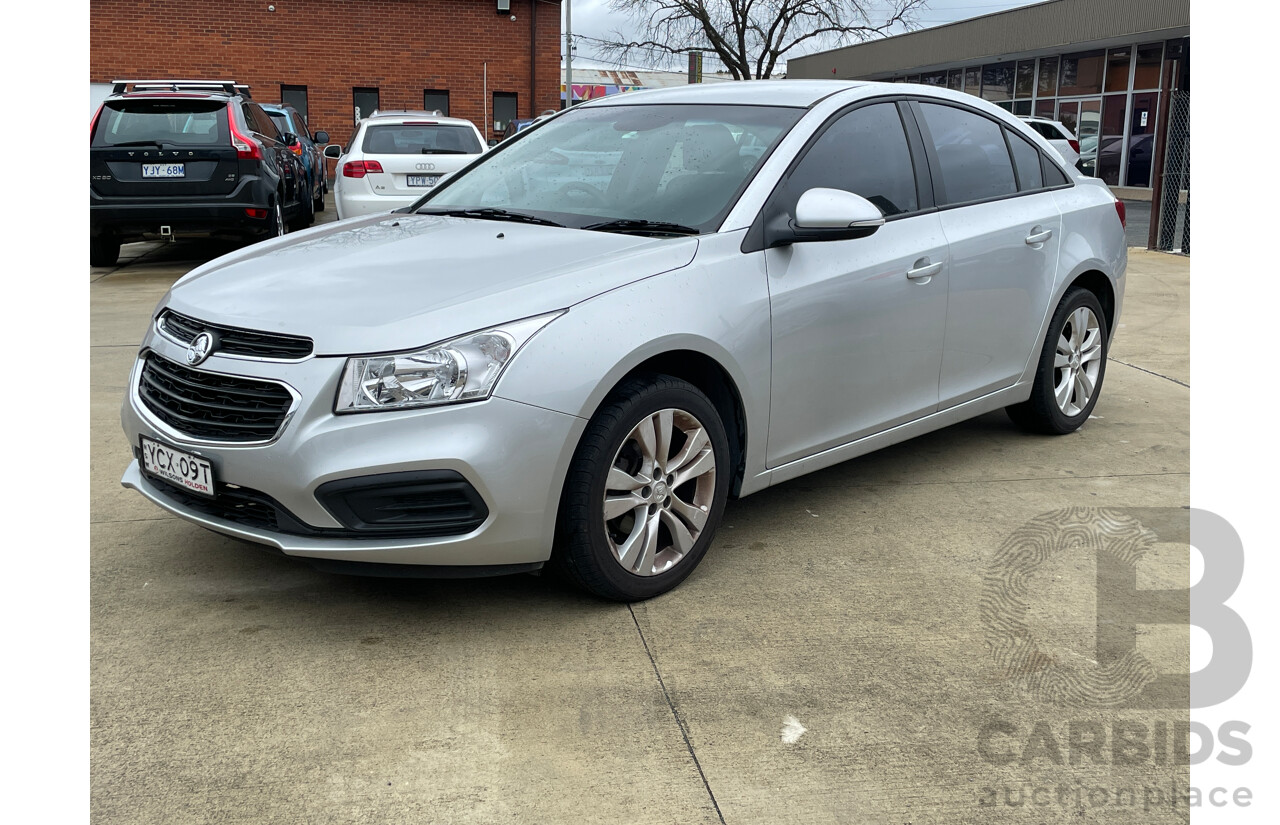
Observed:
{"x":176,"y":467}
{"x":422,"y":180}
{"x":164,"y":170}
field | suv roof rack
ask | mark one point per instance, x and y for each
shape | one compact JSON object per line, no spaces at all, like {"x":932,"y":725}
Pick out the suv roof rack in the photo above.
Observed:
{"x":230,"y":87}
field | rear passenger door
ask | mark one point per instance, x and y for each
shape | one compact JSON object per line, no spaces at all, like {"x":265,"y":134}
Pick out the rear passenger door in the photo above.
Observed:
{"x":1003,"y":227}
{"x":857,"y":325}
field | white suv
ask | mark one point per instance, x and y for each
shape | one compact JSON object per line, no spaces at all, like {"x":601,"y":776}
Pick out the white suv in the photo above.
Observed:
{"x":394,"y":158}
{"x":1059,"y":137}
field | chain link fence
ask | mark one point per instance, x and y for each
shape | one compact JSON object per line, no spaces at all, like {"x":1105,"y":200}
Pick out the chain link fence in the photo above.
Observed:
{"x":1174,"y":209}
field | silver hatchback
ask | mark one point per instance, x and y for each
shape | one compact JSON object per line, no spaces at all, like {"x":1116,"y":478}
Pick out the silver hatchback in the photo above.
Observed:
{"x":578,"y":348}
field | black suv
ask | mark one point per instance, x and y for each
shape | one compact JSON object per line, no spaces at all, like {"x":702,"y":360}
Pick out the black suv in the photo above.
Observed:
{"x":172,"y":159}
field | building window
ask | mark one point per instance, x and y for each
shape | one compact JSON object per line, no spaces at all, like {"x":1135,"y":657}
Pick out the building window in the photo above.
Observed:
{"x":1025,"y":81}
{"x":1118,"y":70}
{"x":1047,"y":85}
{"x":934,"y":79}
{"x":364,"y":102}
{"x":1082,"y":74}
{"x":955,"y":80}
{"x":295,"y":96}
{"x":505,"y":106}
{"x":973,"y":80}
{"x":1146,"y":74}
{"x":436,"y":100}
{"x":997,"y":81}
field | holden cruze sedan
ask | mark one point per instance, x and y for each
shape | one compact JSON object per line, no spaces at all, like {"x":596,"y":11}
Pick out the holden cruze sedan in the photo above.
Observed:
{"x":578,"y":349}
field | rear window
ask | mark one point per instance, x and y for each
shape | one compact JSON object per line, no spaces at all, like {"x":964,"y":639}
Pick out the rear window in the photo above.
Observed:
{"x":413,"y":139}
{"x":1047,"y":130}
{"x":164,"y":122}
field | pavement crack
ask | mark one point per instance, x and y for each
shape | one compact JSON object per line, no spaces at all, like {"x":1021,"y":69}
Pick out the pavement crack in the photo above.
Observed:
{"x":680,"y":723}
{"x":1150,"y":372}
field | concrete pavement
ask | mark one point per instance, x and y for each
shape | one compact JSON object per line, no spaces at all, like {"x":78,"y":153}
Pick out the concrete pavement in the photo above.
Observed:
{"x":230,"y":685}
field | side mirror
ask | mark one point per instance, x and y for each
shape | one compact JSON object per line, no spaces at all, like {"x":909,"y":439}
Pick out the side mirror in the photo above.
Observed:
{"x":493,"y":142}
{"x":320,"y":137}
{"x":333,"y":150}
{"x":825,"y":215}
{"x":289,"y":139}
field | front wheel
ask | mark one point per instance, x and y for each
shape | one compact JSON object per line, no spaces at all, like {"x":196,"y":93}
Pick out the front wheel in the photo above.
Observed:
{"x":1071,"y":367}
{"x":645,"y":491}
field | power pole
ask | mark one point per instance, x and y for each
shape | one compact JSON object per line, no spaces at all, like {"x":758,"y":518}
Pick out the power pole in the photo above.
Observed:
{"x":568,"y":53}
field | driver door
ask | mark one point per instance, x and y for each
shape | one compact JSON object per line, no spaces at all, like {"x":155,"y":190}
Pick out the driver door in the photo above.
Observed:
{"x":857,"y":325}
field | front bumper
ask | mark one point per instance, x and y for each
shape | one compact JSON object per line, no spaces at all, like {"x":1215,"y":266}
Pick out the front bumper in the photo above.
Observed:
{"x":514,"y":455}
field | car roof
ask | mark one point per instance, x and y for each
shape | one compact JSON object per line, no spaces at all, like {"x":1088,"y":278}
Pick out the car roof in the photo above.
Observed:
{"x":410,"y":116}
{"x":803,"y":93}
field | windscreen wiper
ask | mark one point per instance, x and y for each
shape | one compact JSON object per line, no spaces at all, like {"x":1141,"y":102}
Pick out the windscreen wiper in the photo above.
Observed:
{"x":427,"y":151}
{"x":642,"y":227}
{"x":488,"y":214}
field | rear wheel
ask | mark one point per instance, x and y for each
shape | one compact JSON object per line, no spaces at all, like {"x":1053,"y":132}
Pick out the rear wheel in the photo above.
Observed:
{"x":645,"y":492}
{"x":1071,"y":368}
{"x":276,"y":226}
{"x":104,"y":250}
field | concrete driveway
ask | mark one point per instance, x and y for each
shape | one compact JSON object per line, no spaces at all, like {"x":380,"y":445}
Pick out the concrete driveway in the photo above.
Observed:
{"x":827,"y":663}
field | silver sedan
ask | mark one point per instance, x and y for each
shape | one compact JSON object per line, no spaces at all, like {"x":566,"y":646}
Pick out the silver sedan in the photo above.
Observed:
{"x":577,"y":349}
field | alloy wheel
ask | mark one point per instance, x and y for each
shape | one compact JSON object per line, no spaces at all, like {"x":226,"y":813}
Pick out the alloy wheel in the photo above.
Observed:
{"x":1077,"y":360}
{"x":659,"y":492}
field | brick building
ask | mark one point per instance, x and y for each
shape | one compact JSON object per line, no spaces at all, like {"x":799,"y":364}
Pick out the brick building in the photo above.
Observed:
{"x":331,"y":57}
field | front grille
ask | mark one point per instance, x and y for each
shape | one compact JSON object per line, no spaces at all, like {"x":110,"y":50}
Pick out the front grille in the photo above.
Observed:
{"x":238,"y":505}
{"x":210,"y":405}
{"x":237,"y":341}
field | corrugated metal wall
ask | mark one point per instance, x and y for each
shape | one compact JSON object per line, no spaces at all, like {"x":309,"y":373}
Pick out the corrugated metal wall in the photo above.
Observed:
{"x":1045,"y":26}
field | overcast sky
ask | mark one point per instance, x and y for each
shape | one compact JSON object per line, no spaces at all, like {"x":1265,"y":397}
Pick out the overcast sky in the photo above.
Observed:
{"x":592,"y":19}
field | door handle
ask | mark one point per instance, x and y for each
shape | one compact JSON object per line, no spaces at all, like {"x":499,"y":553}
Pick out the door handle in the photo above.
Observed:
{"x":924,"y":269}
{"x":1038,"y":237}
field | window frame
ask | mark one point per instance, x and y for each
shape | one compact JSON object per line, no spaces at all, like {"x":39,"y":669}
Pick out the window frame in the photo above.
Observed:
{"x":935,"y":167}
{"x":753,"y":241}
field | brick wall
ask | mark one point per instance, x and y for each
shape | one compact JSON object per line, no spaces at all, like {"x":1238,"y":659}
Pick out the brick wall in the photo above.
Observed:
{"x":400,"y":47}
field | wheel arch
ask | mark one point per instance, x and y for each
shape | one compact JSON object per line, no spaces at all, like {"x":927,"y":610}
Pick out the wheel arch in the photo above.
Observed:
{"x":709,"y":376}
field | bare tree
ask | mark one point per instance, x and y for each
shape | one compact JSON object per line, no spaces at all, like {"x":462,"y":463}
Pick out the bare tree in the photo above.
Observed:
{"x":749,"y":36}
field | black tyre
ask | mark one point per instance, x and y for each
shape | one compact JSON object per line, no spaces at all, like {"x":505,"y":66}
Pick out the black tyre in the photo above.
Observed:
{"x":104,"y":250}
{"x":317,"y":205}
{"x":306,"y":212}
{"x":645,"y":491}
{"x":275,"y":221}
{"x":1072,"y":365}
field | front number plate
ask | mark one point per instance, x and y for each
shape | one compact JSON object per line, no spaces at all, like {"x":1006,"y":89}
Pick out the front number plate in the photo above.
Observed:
{"x":176,"y":467}
{"x":422,"y":180}
{"x":164,"y":170}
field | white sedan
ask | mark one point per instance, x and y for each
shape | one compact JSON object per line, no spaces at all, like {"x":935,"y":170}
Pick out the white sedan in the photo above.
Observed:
{"x":394,"y":158}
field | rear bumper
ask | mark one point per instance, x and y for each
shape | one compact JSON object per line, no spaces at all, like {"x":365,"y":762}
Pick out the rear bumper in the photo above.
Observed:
{"x":183,"y":220}
{"x":353,"y":205}
{"x":201,"y":216}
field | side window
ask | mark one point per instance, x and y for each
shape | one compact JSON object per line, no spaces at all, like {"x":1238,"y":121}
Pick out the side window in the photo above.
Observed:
{"x":1052,"y":174}
{"x":1026,"y":159}
{"x":972,"y":156}
{"x":864,"y":152}
{"x":260,"y":122}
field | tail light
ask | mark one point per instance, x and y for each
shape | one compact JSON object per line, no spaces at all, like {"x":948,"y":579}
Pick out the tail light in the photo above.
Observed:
{"x":93,"y":122}
{"x":1120,"y":212}
{"x":246,"y":147}
{"x":297,"y":149}
{"x":360,"y":168}
{"x":1075,"y":146}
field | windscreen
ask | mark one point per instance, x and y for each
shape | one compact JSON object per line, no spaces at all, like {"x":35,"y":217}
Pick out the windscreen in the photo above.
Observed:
{"x":162,"y":122}
{"x":677,"y":163}
{"x":420,"y":139}
{"x":280,"y":119}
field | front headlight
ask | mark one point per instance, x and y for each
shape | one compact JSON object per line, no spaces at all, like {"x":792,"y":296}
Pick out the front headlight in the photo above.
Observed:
{"x":463,"y":369}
